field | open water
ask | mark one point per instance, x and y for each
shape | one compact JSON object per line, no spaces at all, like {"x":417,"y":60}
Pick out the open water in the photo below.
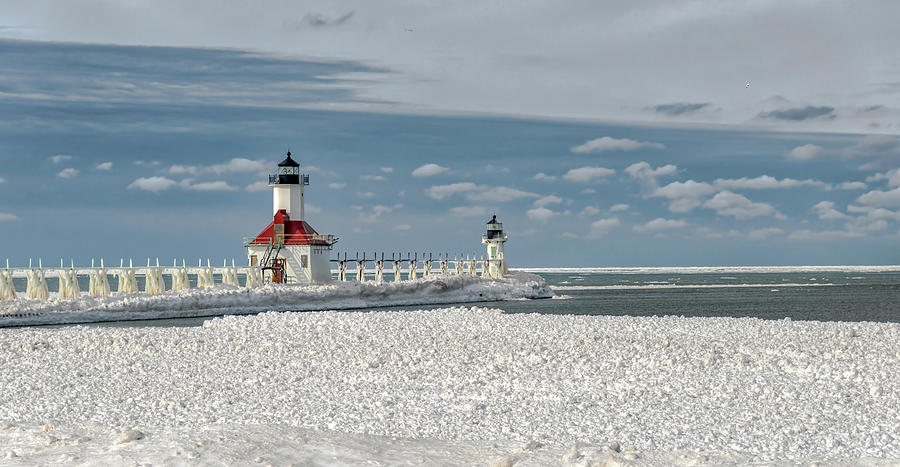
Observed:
{"x":819,"y":296}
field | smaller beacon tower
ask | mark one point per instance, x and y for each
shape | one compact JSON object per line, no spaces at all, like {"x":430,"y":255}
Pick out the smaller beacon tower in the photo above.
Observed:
{"x":289,"y":247}
{"x":494,"y":239}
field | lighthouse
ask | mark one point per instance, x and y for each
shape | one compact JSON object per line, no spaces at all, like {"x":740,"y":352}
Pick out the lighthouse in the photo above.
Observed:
{"x":494,"y":239}
{"x":289,"y":250}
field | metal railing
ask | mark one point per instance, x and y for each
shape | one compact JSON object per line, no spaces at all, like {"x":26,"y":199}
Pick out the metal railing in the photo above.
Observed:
{"x":314,"y":239}
{"x":303,"y":179}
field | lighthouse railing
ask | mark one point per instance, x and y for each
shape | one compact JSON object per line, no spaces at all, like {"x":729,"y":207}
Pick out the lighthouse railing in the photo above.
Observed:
{"x":291,"y":239}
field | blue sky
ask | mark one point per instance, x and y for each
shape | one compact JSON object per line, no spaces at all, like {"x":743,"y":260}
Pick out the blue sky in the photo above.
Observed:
{"x":142,"y":151}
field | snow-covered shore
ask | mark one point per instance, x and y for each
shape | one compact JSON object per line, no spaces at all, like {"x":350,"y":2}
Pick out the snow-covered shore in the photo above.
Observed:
{"x":225,"y":299}
{"x":454,"y":386}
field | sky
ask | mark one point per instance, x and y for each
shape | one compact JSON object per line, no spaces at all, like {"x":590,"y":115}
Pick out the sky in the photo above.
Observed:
{"x":600,"y":133}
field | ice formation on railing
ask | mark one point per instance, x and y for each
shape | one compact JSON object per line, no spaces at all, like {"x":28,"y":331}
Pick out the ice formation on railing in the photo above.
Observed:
{"x":342,"y":271}
{"x":7,"y":291}
{"x":427,"y":268}
{"x":360,"y":271}
{"x":205,"y":275}
{"x":254,"y":277}
{"x":99,"y":284}
{"x":37,"y":284}
{"x":411,"y":275}
{"x":379,"y":271}
{"x":472,"y":267}
{"x":229,"y":274}
{"x":397,"y":277}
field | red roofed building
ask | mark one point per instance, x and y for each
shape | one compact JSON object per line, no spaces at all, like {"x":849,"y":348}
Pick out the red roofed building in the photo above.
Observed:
{"x":289,"y":249}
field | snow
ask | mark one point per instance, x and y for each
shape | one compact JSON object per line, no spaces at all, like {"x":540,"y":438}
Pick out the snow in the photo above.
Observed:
{"x":227,"y":299}
{"x":715,"y":269}
{"x":680,"y":286}
{"x":453,"y":386}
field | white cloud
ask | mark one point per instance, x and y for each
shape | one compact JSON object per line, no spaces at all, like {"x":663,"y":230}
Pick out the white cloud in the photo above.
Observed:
{"x":804,"y":153}
{"x":218,"y":185}
{"x":549,"y":199}
{"x":541,"y":214}
{"x":852,"y":186}
{"x":336,"y":186}
{"x":67,"y":173}
{"x":499,"y":194}
{"x":587,"y":174}
{"x":825,"y":210}
{"x":685,"y":196}
{"x":881,"y":198}
{"x":466,"y":211}
{"x":607,"y":143}
{"x":375,"y":178}
{"x":590,"y":211}
{"x":365,"y":194}
{"x":2,"y":180}
{"x":726,"y":203}
{"x":660,"y":224}
{"x":387,"y":170}
{"x":764,"y":233}
{"x":619,"y":207}
{"x":5,"y":216}
{"x":261,"y":185}
{"x":377,"y":211}
{"x":588,"y":191}
{"x":59,"y":158}
{"x":601,"y":227}
{"x":568,"y":235}
{"x":643,"y":171}
{"x":402,"y":227}
{"x":443,"y":191}
{"x":543,"y":176}
{"x":892,"y":176}
{"x":428,"y":170}
{"x":764,"y":182}
{"x":154,"y":184}
{"x":810,"y":235}
{"x":877,"y":150}
{"x":183,"y":169}
{"x":240,"y":164}
{"x":874,"y":213}
{"x":104,"y":166}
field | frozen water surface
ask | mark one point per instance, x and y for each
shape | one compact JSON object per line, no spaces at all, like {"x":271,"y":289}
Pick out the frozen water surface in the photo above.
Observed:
{"x":454,"y":386}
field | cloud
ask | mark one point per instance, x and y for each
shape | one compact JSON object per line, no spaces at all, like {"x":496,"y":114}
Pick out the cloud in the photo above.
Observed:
{"x":797,"y":114}
{"x":387,"y":170}
{"x":210,"y":186}
{"x":543,"y":176}
{"x":892,"y":176}
{"x":240,"y":164}
{"x":881,"y":198}
{"x":312,"y":208}
{"x":541,"y":214}
{"x":826,"y":211}
{"x":377,"y":211}
{"x":601,"y":227}
{"x":588,"y":191}
{"x":499,"y":194}
{"x":466,"y":211}
{"x":365,"y":194}
{"x":587,"y":174}
{"x":685,"y":196}
{"x":549,"y":199}
{"x":183,"y":169}
{"x":315,"y":20}
{"x":154,"y":184}
{"x":619,"y":207}
{"x":261,"y":185}
{"x":607,"y":143}
{"x":643,"y":171}
{"x":402,"y":227}
{"x":5,"y":217}
{"x":765,"y":182}
{"x":659,"y":224}
{"x":726,"y":203}
{"x":851,"y":186}
{"x":804,"y":153}
{"x":2,"y":180}
{"x":374,"y":178}
{"x":336,"y":185}
{"x":764,"y":233}
{"x":104,"y":166}
{"x":67,"y":173}
{"x":59,"y":158}
{"x":874,"y":213}
{"x":589,"y":211}
{"x":810,"y":235}
{"x":443,"y":191}
{"x":877,"y":150}
{"x":428,"y":170}
{"x":679,"y":108}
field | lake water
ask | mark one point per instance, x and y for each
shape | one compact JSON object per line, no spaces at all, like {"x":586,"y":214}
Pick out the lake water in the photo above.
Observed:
{"x":819,"y":296}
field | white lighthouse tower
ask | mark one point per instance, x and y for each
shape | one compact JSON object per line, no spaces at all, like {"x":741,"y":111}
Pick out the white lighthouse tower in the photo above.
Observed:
{"x":494,"y":239}
{"x":289,"y":247}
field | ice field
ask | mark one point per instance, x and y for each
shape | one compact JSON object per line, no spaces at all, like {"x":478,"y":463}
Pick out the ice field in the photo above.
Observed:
{"x":454,"y":386}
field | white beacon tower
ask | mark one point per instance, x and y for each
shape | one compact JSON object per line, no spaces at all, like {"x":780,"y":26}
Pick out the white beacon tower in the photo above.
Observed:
{"x":494,"y":239}
{"x":289,"y":247}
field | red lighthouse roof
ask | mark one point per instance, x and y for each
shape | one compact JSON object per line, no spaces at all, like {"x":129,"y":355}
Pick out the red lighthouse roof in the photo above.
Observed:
{"x":284,"y":231}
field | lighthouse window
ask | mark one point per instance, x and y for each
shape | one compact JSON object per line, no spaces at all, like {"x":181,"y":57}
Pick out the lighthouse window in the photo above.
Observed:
{"x":304,"y":261}
{"x":493,"y":251}
{"x":253,"y":260}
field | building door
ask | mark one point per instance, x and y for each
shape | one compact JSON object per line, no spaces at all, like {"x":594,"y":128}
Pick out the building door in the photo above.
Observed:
{"x":278,"y":274}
